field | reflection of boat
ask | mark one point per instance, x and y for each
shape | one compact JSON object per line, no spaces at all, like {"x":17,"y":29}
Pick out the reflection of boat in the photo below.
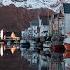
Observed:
{"x":67,"y":52}
{"x":12,"y":49}
{"x":9,"y":48}
{"x":8,"y":43}
{"x":67,"y":43}
{"x":67,"y":47}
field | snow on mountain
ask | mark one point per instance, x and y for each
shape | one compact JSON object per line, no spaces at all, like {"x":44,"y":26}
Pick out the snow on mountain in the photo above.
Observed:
{"x":54,"y":5}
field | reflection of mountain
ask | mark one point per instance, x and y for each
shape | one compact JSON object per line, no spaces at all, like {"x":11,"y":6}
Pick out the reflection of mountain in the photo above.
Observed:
{"x":34,"y":4}
{"x":16,"y":19}
{"x":18,"y":0}
{"x":54,"y":5}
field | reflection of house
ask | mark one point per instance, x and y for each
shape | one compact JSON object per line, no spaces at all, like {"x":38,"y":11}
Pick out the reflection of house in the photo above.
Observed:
{"x":46,"y":25}
{"x":15,"y":19}
{"x":61,"y":22}
{"x":40,"y":26}
{"x":57,"y":23}
{"x":44,"y":30}
{"x":19,"y":18}
{"x":34,"y":24}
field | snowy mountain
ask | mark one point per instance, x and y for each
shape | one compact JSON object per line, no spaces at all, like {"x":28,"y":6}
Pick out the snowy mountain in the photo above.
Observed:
{"x":54,"y":5}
